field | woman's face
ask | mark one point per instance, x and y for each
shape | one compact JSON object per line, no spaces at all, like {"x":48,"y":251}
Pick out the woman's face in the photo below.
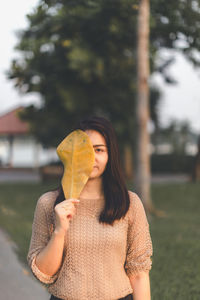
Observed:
{"x":101,"y":153}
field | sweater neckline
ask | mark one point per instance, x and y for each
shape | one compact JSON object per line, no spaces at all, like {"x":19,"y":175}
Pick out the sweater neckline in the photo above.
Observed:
{"x":93,"y":206}
{"x":91,"y":199}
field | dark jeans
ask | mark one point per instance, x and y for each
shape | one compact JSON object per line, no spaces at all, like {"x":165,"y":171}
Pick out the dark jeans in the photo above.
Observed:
{"x":129,"y":297}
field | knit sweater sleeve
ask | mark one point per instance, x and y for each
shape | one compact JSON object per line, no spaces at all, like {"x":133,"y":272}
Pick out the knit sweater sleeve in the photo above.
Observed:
{"x":39,"y":239}
{"x":139,"y":245}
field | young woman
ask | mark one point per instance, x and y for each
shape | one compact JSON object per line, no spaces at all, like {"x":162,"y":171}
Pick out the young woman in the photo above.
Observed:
{"x":97,"y":247}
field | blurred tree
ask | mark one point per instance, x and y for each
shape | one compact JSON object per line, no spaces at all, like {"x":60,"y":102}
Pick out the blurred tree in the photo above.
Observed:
{"x":177,"y":135}
{"x":175,"y":149}
{"x":175,"y":25}
{"x":196,"y":165}
{"x":80,"y":56}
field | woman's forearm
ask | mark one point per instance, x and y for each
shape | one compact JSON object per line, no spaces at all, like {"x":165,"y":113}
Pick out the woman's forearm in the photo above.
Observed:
{"x":141,"y":286}
{"x":49,"y":259}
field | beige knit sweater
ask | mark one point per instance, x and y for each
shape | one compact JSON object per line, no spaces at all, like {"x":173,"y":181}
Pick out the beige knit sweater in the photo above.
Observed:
{"x":97,"y":258}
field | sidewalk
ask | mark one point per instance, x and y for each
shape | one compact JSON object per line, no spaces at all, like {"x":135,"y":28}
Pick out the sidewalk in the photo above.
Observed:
{"x":170,"y":178}
{"x":16,"y":282}
{"x":15,"y":175}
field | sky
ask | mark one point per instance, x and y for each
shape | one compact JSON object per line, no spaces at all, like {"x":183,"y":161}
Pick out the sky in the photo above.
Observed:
{"x":180,"y":101}
{"x":12,"y":19}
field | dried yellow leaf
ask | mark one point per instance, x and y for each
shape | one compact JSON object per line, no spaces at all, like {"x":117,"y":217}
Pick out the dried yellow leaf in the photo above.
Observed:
{"x":77,"y":155}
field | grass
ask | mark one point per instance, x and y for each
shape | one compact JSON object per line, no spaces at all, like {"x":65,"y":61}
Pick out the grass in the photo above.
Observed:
{"x":176,"y":241}
{"x":175,"y":274}
{"x":17,"y":205}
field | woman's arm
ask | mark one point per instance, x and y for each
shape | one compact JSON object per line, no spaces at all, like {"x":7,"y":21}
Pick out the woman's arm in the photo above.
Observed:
{"x":139,"y":250}
{"x":141,"y":286}
{"x":49,"y":259}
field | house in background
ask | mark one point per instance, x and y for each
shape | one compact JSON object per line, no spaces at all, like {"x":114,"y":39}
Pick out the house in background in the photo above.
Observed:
{"x":18,"y":149}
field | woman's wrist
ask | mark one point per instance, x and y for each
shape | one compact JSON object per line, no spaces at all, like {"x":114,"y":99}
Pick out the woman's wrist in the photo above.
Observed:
{"x":59,"y":232}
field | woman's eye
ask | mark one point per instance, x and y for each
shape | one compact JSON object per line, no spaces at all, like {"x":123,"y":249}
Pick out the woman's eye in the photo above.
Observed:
{"x":99,"y":150}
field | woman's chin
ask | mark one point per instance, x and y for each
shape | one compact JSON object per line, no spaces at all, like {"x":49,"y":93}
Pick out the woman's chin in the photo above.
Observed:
{"x":94,"y":175}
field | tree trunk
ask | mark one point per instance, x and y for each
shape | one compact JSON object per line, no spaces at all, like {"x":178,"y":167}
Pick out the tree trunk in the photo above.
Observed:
{"x":196,"y":167}
{"x":128,"y":162}
{"x":143,"y":173}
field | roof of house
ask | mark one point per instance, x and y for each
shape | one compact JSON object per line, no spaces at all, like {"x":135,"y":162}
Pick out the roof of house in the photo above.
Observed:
{"x":11,"y":124}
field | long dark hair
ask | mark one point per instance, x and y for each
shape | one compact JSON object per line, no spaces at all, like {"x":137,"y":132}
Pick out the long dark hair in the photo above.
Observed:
{"x":115,"y":192}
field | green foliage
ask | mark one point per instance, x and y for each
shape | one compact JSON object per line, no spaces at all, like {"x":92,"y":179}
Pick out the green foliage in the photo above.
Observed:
{"x":80,"y":56}
{"x":175,"y":24}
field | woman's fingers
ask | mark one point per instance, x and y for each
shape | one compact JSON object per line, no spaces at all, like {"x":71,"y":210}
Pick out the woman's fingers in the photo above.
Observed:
{"x":69,"y":204}
{"x":65,"y":212}
{"x":67,"y":207}
{"x":70,"y":201}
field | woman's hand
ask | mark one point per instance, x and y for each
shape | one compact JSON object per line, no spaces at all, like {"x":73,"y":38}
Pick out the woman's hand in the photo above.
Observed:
{"x":64,"y":212}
